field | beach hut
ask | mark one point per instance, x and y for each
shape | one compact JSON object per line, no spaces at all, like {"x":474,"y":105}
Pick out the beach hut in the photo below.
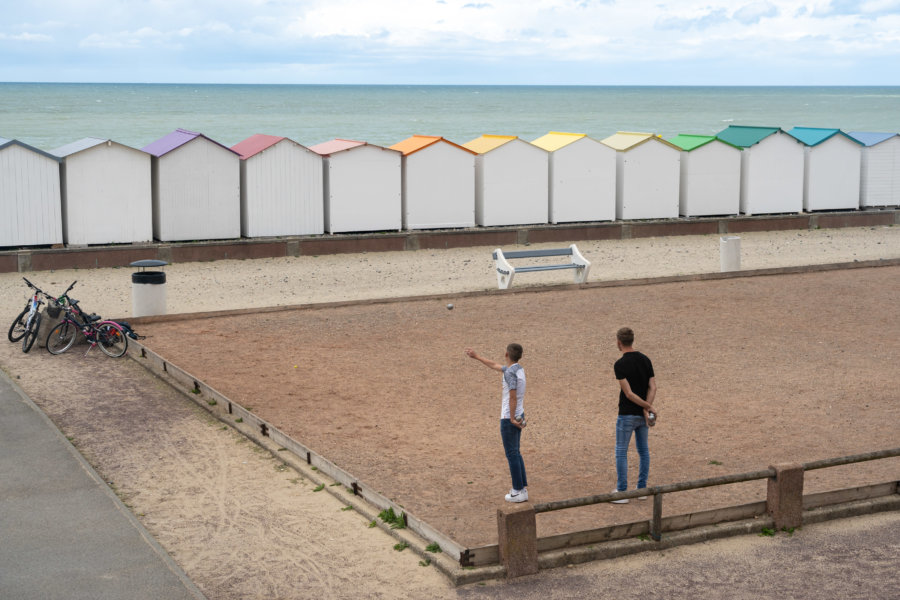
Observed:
{"x":831,"y":168}
{"x":362,"y":186}
{"x":511,"y":181}
{"x":438,"y":186}
{"x":30,"y":202}
{"x":647,"y":175}
{"x":880,"y":168}
{"x":710,"y":176}
{"x":281,"y":187}
{"x":196,"y":188}
{"x":582,"y":177}
{"x":106,"y":193}
{"x":771,"y":169}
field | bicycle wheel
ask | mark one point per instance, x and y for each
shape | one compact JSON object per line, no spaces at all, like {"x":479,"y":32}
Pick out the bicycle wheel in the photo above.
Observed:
{"x":31,"y":333}
{"x":17,"y":329}
{"x":111,"y":339}
{"x":61,"y":337}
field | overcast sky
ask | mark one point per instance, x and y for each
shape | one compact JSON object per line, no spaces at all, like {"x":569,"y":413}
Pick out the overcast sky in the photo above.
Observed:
{"x":578,"y":42}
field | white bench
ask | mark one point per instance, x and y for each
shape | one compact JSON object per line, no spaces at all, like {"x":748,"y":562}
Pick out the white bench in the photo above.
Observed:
{"x":506,"y":272}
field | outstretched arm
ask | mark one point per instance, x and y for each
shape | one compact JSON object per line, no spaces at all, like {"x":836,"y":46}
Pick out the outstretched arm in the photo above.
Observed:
{"x":486,"y":361}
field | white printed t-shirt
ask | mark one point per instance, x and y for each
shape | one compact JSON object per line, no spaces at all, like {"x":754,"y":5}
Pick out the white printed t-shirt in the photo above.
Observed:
{"x":513,"y":377}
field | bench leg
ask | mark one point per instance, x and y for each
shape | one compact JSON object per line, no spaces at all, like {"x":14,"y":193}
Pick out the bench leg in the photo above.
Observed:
{"x":505,"y":271}
{"x":584,"y":265}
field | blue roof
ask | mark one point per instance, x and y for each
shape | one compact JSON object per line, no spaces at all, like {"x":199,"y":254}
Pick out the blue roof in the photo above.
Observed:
{"x":870,"y":138}
{"x":813,"y":136}
{"x":4,"y":142}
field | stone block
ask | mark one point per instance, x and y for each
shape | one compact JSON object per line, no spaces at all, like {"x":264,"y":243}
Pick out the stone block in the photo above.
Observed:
{"x":784,"y":500}
{"x":517,"y":539}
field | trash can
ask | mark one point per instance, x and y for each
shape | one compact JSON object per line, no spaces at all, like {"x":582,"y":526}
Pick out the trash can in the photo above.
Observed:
{"x":148,"y":288}
{"x":730,"y":253}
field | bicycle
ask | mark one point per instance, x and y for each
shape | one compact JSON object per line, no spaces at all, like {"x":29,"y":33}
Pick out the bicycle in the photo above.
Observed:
{"x":26,"y":326}
{"x":108,"y":335}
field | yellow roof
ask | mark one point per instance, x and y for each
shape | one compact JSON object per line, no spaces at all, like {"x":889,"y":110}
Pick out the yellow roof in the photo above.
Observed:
{"x":626,"y":140}
{"x":418,"y":142}
{"x":486,"y":143}
{"x":555,"y":140}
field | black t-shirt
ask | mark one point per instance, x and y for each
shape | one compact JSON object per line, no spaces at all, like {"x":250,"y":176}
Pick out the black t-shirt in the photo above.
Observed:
{"x":637,"y":369}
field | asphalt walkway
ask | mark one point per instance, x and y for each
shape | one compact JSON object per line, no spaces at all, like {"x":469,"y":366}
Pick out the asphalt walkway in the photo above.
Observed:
{"x":63,"y":533}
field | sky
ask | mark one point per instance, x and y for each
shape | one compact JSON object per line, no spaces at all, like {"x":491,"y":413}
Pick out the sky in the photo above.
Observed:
{"x":503,"y":42}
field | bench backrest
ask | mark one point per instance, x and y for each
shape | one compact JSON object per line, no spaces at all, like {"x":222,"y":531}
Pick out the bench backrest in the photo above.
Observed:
{"x":536,"y":253}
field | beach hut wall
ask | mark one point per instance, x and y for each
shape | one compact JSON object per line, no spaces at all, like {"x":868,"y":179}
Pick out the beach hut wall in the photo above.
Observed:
{"x":648,"y":175}
{"x":196,"y":188}
{"x":30,"y":199}
{"x":106,"y":193}
{"x":361,"y":186}
{"x":511,"y":181}
{"x":438,"y":183}
{"x":582,"y":178}
{"x":771,"y":169}
{"x":831,"y":168}
{"x":879,"y":168}
{"x":281,"y":187}
{"x":710,"y":176}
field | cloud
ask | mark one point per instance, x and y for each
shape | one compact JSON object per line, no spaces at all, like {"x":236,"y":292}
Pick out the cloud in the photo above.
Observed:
{"x":710,"y":18}
{"x":26,"y":37}
{"x":751,"y":14}
{"x":478,"y":6}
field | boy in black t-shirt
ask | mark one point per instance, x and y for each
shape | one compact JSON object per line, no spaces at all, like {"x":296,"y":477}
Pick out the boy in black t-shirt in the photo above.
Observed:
{"x":637,"y":390}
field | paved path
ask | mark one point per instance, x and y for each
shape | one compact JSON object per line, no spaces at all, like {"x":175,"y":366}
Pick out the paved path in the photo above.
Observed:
{"x":63,"y":533}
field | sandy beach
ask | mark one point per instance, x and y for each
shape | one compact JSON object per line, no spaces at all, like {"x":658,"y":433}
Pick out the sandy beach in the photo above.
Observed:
{"x":233,"y":284}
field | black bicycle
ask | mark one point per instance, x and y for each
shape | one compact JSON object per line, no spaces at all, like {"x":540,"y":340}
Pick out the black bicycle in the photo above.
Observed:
{"x":108,"y":335}
{"x":27,"y":325}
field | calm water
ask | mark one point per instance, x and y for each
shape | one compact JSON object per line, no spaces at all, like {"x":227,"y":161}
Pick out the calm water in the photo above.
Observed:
{"x":48,"y":115}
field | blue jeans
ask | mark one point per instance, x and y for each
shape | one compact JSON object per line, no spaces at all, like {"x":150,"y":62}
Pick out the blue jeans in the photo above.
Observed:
{"x":625,"y":425}
{"x":510,"y":434}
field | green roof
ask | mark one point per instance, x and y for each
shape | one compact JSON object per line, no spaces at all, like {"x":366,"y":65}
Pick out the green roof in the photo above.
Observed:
{"x":690,"y":142}
{"x":743,"y":136}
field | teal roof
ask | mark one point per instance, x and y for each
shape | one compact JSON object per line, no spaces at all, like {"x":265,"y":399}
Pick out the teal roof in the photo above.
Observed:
{"x":689,"y":142}
{"x":744,"y":136}
{"x":813,"y":136}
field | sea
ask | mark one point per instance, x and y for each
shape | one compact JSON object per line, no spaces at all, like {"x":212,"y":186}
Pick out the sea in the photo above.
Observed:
{"x":49,"y":115}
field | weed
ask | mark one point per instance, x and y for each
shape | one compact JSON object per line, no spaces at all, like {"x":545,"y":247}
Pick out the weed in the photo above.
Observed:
{"x":195,"y":391}
{"x":212,"y":402}
{"x":789,"y":530}
{"x":314,"y":468}
{"x":425,"y":563}
{"x":433,"y":547}
{"x":644,"y":537}
{"x":393,"y":519}
{"x":319,"y":487}
{"x":401,"y":546}
{"x":714,"y":462}
{"x":372,"y":524}
{"x":334,"y":484}
{"x":282,"y":449}
{"x":224,"y":427}
{"x":239,"y":420}
{"x":469,"y":482}
{"x":295,"y":480}
{"x":346,"y":508}
{"x":766,"y":532}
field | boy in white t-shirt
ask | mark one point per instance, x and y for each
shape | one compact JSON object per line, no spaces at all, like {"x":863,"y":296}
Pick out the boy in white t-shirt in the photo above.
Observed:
{"x":513,"y":404}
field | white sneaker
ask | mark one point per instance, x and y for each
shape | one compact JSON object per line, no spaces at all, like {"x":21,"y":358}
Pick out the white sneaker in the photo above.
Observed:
{"x":517,"y":496}
{"x":622,"y":501}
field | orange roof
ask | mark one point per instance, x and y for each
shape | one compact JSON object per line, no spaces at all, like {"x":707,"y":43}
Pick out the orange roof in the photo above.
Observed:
{"x":419,"y":142}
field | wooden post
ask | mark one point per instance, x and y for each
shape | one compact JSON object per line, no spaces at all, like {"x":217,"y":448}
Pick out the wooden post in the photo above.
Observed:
{"x":784,"y":501}
{"x":656,"y":523}
{"x":517,"y":539}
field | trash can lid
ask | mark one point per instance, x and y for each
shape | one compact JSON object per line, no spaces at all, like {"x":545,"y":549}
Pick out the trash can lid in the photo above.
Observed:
{"x":150,"y":262}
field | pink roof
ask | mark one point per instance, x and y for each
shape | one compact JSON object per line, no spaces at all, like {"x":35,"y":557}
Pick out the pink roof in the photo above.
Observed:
{"x":419,"y":142}
{"x":335,"y":146}
{"x":255,"y":144}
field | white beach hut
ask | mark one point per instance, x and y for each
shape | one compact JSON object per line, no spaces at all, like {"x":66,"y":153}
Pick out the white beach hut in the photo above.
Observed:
{"x":648,"y":173}
{"x":29,"y":196}
{"x":710,"y":176}
{"x":438,"y":187}
{"x":880,"y":168}
{"x":511,"y":181}
{"x":281,"y":187}
{"x":106,"y":193}
{"x":831,"y":168}
{"x":771,"y":169}
{"x":196,"y":188}
{"x":362,"y":186}
{"x":582,"y":177}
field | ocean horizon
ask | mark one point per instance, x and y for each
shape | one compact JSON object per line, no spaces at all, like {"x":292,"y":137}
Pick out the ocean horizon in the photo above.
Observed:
{"x":49,"y":115}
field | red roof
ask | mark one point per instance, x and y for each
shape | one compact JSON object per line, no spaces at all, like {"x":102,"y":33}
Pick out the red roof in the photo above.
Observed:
{"x":255,"y":144}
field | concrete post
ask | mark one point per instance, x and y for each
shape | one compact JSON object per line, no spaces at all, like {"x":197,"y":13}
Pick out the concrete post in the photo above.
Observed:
{"x":784,"y":500}
{"x":517,"y":539}
{"x":730,"y":253}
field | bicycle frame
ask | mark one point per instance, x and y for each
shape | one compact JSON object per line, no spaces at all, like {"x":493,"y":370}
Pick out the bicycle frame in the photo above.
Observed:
{"x":89,"y":329}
